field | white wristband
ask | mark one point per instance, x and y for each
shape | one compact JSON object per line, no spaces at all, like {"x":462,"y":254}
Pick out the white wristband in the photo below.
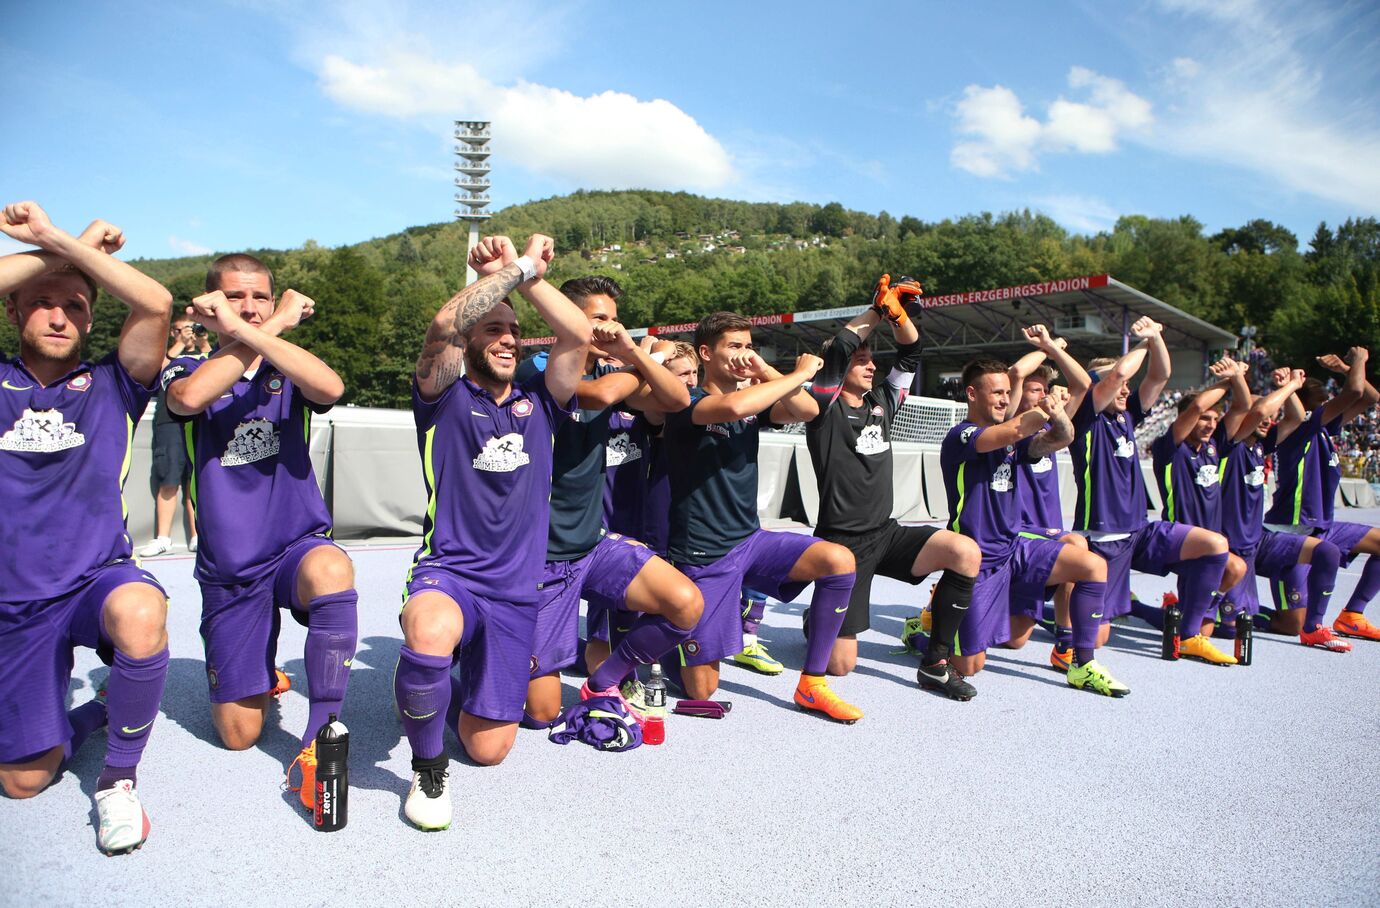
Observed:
{"x":659,"y":358}
{"x":529,"y":270}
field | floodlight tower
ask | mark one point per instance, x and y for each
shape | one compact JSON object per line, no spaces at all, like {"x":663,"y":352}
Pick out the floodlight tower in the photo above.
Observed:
{"x":472,"y":162}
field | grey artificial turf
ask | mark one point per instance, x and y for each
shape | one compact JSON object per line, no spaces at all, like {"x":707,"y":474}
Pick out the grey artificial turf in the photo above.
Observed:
{"x":1224,"y":786}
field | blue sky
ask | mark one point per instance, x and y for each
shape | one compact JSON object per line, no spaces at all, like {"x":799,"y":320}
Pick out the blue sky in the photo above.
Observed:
{"x":232,"y":125}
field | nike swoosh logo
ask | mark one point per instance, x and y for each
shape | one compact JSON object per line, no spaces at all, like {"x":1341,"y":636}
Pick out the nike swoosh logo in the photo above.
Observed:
{"x":484,"y":415}
{"x":125,"y":729}
{"x":1097,"y":614}
{"x":347,"y":662}
{"x":808,"y":698}
{"x":10,"y":387}
{"x":419,"y":718}
{"x":840,"y":611}
{"x":961,"y":608}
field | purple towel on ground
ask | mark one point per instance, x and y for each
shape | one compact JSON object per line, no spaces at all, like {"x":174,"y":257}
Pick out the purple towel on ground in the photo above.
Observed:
{"x":600,"y":722}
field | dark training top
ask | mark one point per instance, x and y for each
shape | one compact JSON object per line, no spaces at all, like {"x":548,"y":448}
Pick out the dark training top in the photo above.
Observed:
{"x":850,"y":447}
{"x":713,"y":472}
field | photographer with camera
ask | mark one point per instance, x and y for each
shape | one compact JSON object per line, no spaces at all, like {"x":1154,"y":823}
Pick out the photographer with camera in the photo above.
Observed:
{"x":171,"y":469}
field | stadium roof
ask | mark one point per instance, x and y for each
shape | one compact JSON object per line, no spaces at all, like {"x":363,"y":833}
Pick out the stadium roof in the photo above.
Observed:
{"x":1094,"y":313}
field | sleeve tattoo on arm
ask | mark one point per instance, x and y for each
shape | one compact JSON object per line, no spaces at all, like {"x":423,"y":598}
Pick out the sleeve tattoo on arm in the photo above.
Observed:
{"x":462,"y":312}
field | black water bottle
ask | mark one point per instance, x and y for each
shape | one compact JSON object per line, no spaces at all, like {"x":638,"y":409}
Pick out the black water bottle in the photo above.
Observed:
{"x":1245,"y":638}
{"x":332,"y":776}
{"x":1169,"y":644}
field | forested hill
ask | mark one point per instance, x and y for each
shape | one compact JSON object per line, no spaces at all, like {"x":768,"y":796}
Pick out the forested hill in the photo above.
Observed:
{"x":679,"y":256}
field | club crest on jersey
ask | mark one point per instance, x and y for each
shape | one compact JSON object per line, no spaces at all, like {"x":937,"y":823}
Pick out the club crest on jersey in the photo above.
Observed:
{"x":691,"y":647}
{"x":503,"y":454}
{"x":1001,"y":480}
{"x":1212,"y":448}
{"x":870,"y":441}
{"x":524,"y":408}
{"x":532,"y":665}
{"x":1043,"y":465}
{"x":255,"y":439}
{"x":41,"y":432}
{"x":1255,"y":478}
{"x":621,"y":450}
{"x":274,"y":385}
{"x":213,"y":677}
{"x":1125,"y":447}
{"x":1207,"y":476}
{"x":877,"y":410}
{"x":80,"y":382}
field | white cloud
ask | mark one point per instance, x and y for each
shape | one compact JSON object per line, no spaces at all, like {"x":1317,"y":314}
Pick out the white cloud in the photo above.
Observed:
{"x":1266,"y":89}
{"x":1001,"y":139}
{"x":1084,"y":214}
{"x":1003,"y":136}
{"x":606,"y":140}
{"x":186,"y":247}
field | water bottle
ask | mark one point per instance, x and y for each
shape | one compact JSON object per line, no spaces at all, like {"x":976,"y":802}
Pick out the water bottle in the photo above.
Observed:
{"x":332,"y":776}
{"x":1169,"y":643}
{"x":654,"y":727}
{"x":1245,"y":638}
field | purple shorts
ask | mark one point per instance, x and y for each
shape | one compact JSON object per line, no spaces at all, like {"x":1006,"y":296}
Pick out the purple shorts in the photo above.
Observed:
{"x":763,"y":561}
{"x":988,"y":619}
{"x":1153,"y":549}
{"x":240,"y":623}
{"x":33,"y":689}
{"x":495,"y":652}
{"x":1025,"y":599}
{"x":605,"y":571}
{"x":1272,"y":558}
{"x":1345,"y":536}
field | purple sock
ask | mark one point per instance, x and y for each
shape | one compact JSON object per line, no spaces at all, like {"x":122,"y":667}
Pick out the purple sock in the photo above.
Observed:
{"x":422,"y":688}
{"x":1322,"y":579}
{"x":952,"y":594}
{"x":1199,"y":578}
{"x":1288,"y":589}
{"x":457,"y":704}
{"x":1148,"y":613}
{"x":827,"y":609}
{"x":1063,"y":635}
{"x":332,"y":632}
{"x":1226,"y":617}
{"x":754,"y":607}
{"x":84,"y":720}
{"x":132,"y":695}
{"x":1366,"y":587}
{"x":651,"y":637}
{"x":1085,"y":614}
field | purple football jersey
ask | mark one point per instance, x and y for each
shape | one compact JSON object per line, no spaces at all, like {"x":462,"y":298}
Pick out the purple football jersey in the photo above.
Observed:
{"x":487,"y":467}
{"x":1189,"y":481}
{"x":983,"y":501}
{"x":1243,"y":489}
{"x":1308,"y":476}
{"x":1038,"y":490}
{"x":64,"y":455}
{"x":1106,"y":467}
{"x":254,"y":487}
{"x":626,"y":458}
